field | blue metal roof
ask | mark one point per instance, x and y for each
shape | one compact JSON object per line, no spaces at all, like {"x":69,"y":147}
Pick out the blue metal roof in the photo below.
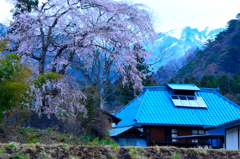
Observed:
{"x":229,"y":124}
{"x":130,"y":112}
{"x":155,"y":107}
{"x":118,"y":131}
{"x":190,"y":87}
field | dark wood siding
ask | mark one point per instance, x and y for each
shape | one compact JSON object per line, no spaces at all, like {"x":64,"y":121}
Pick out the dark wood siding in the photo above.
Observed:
{"x":184,"y":132}
{"x":157,"y":134}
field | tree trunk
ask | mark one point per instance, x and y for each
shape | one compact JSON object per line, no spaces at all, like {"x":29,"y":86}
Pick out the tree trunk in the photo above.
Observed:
{"x":101,"y":98}
{"x":41,"y":66}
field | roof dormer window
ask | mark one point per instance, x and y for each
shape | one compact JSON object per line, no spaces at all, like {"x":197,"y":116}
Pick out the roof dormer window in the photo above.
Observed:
{"x":184,"y":96}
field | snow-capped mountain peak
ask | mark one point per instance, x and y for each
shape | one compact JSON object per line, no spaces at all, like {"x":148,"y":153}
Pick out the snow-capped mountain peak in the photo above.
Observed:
{"x":175,"y":43}
{"x":177,"y":33}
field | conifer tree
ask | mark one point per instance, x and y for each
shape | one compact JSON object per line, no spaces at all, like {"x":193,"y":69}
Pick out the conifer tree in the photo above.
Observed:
{"x":186,"y":80}
{"x":223,"y":83}
{"x":231,"y":61}
{"x":236,"y":77}
{"x":180,"y":82}
{"x":172,"y":81}
{"x":208,"y":85}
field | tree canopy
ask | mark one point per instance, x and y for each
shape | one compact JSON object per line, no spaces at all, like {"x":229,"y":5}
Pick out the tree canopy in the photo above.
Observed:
{"x":14,"y":85}
{"x":102,"y":36}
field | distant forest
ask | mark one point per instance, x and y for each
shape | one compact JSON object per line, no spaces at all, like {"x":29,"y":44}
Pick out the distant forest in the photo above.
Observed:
{"x":229,"y":87}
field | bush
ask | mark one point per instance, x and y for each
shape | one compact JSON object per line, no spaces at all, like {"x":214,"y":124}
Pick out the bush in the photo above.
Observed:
{"x":176,"y":156}
{"x":99,"y":125}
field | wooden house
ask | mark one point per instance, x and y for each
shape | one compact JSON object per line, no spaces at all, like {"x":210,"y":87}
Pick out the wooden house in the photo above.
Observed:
{"x":164,"y":113}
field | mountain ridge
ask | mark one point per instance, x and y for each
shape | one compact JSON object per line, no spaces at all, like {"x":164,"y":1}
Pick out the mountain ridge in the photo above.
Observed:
{"x":175,"y":43}
{"x":220,"y":56}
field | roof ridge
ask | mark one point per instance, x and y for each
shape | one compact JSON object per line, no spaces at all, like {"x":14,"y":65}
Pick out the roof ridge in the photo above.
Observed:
{"x":210,"y":89}
{"x":182,"y":84}
{"x":140,"y":107}
{"x":129,"y":103}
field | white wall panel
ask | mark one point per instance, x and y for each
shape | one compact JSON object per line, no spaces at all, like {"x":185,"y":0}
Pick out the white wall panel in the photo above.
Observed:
{"x":235,"y":138}
{"x":238,"y":138}
{"x":232,"y":139}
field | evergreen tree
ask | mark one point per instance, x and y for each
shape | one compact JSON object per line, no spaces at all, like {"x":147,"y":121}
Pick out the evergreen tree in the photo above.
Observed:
{"x":223,"y":83}
{"x":186,"y":80}
{"x":180,"y":82}
{"x":231,"y":61}
{"x":204,"y":81}
{"x":208,"y":85}
{"x":232,"y":85}
{"x":192,"y":79}
{"x":214,"y":84}
{"x":172,"y":81}
{"x":126,"y":94}
{"x":236,"y":77}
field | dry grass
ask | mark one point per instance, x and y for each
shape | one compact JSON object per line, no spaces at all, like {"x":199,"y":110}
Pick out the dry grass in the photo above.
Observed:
{"x":29,"y":143}
{"x":44,"y":151}
{"x":48,"y":136}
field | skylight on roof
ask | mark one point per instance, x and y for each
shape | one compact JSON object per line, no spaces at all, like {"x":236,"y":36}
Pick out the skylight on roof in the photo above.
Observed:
{"x":188,"y":101}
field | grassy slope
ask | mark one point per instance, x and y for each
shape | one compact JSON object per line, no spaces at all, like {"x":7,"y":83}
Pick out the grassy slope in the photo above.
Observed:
{"x":34,"y":143}
{"x":14,"y":150}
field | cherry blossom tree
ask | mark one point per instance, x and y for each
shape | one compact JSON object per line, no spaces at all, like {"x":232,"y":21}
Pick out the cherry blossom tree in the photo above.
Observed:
{"x":87,"y":30}
{"x":54,"y":94}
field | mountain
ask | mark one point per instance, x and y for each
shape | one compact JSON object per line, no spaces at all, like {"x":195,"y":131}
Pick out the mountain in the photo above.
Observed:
{"x":220,"y":56}
{"x":3,"y":30}
{"x":175,"y":43}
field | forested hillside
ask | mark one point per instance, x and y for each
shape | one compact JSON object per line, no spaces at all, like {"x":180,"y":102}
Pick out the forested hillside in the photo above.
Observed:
{"x":215,"y":66}
{"x":221,"y":56}
{"x":229,"y":87}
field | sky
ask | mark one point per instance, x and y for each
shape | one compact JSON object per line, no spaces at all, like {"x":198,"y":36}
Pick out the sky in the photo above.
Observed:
{"x":174,"y":14}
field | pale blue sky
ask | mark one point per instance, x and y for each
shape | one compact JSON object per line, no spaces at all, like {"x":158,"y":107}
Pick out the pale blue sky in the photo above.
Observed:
{"x":177,"y":13}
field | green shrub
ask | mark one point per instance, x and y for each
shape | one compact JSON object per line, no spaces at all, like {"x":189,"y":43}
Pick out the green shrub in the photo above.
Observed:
{"x":20,"y":156}
{"x":13,"y":146}
{"x":94,"y":142}
{"x":176,"y":155}
{"x":62,"y":139}
{"x":33,"y":141}
{"x":33,"y":137}
{"x":106,"y":142}
{"x":65,"y":146}
{"x":133,"y":153}
{"x":40,"y":134}
{"x":89,"y":138}
{"x":22,"y":131}
{"x":114,"y":146}
{"x":81,"y":137}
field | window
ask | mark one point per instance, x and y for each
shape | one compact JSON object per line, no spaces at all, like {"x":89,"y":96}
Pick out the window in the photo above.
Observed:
{"x":201,"y":132}
{"x":198,"y":132}
{"x":188,"y":101}
{"x":174,"y":135}
{"x":206,"y":131}
{"x":195,"y":132}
